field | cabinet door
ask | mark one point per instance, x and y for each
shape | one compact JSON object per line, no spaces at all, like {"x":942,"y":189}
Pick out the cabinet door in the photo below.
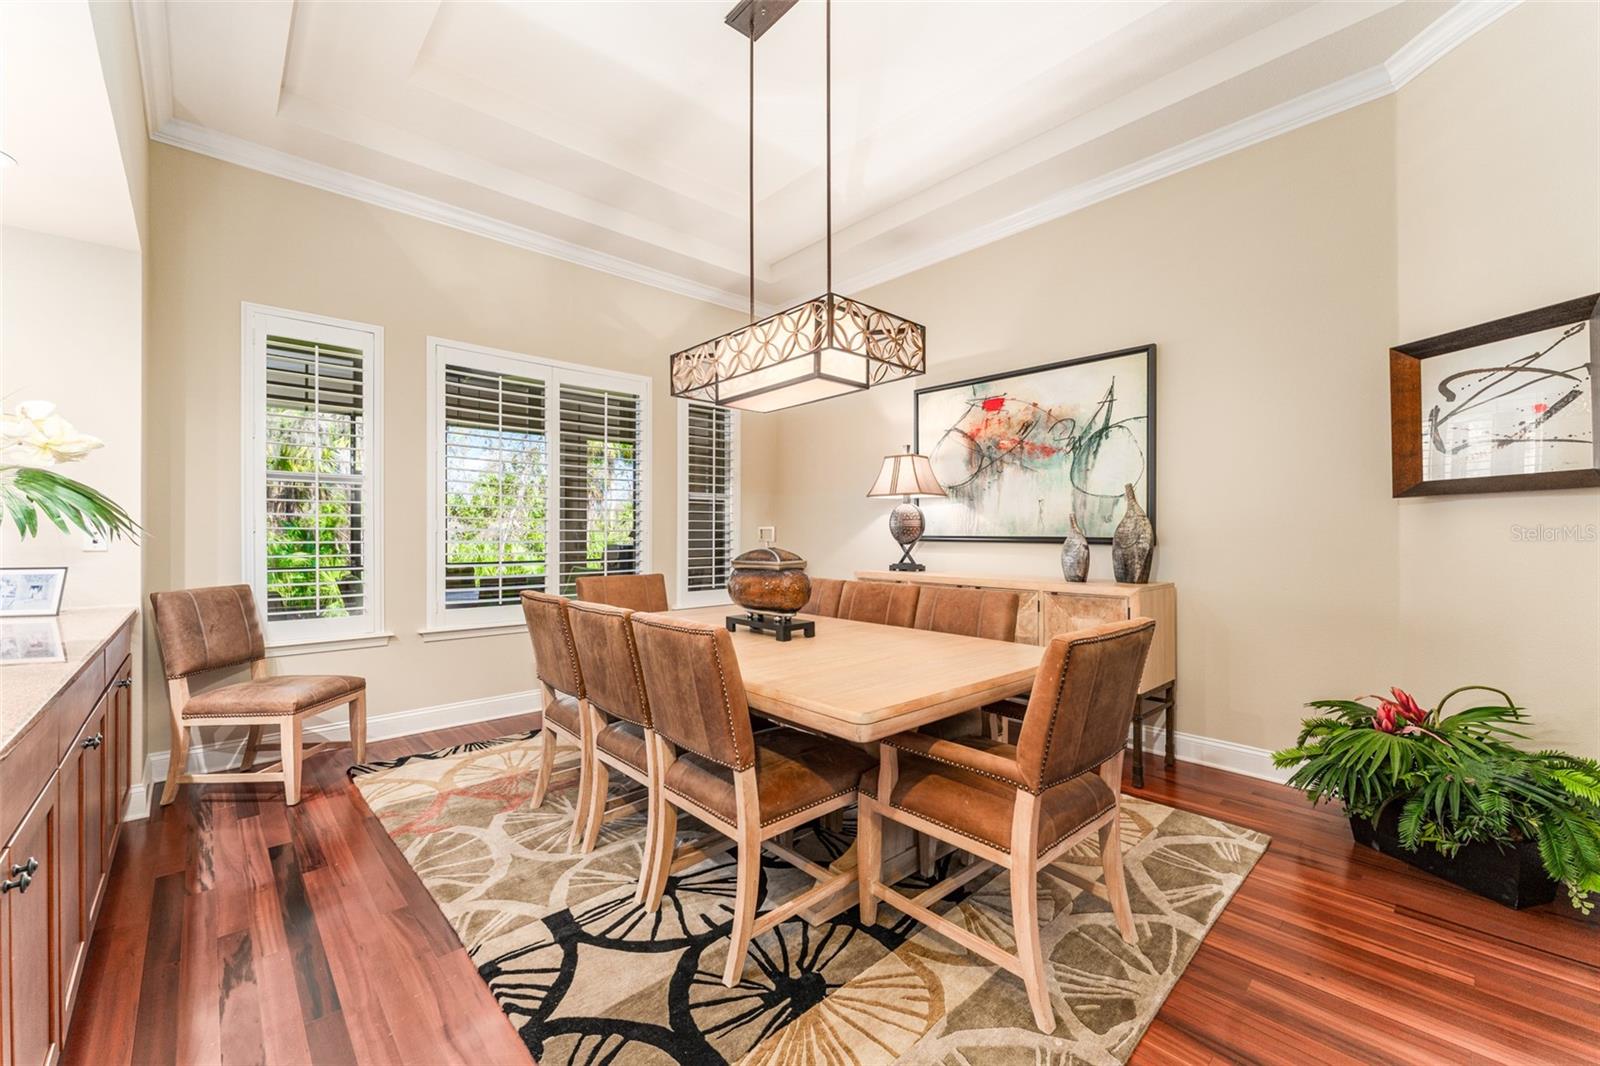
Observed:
{"x":119,"y":742}
{"x":1065,"y":612}
{"x":28,"y":915}
{"x":74,"y":909}
{"x":91,"y":753}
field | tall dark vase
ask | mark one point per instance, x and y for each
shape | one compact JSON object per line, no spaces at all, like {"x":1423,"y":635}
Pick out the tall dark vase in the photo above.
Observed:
{"x":1133,"y":543}
{"x":1075,"y":553}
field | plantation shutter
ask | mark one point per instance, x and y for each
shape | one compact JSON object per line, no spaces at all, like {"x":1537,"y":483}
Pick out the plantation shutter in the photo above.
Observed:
{"x":495,"y":471}
{"x":600,"y":503}
{"x":316,"y":507}
{"x":710,"y":517}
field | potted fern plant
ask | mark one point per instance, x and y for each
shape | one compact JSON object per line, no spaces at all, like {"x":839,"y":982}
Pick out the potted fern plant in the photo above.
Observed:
{"x":34,"y":440}
{"x":1452,"y":794}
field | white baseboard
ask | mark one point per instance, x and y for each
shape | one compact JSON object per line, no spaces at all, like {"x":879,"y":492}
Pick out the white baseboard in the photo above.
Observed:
{"x":212,"y":758}
{"x":1220,"y":754}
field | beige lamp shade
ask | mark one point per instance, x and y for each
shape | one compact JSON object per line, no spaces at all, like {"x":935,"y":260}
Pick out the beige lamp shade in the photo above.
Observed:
{"x":906,"y":474}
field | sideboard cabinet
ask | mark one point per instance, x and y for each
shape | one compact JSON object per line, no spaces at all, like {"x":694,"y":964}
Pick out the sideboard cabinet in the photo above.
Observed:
{"x":65,"y":730}
{"x":1046,"y":607}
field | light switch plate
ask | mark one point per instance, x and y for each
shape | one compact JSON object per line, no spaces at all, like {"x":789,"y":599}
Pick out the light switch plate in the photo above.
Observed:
{"x":767,"y":534}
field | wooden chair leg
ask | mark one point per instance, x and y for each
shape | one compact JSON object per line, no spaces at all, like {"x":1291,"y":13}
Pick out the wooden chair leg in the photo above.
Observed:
{"x":580,"y":809}
{"x":252,"y":744}
{"x":1116,"y":883}
{"x":1025,"y":908}
{"x":869,"y":857}
{"x":595,"y":816}
{"x":744,"y":908}
{"x":289,"y":731}
{"x":652,"y":820}
{"x":926,"y":847}
{"x":177,"y":762}
{"x":666,"y":844}
{"x":358,"y":727}
{"x":547,"y":764}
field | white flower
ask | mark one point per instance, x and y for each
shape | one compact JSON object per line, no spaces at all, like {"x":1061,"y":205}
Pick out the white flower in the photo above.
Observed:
{"x":37,"y":436}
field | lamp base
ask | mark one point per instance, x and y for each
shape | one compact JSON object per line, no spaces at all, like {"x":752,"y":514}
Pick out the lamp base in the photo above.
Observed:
{"x":905,"y":526}
{"x":906,"y":564}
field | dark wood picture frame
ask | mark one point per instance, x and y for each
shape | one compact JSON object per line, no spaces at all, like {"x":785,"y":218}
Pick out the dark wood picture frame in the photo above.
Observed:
{"x":1405,"y":403}
{"x":1149,"y":502}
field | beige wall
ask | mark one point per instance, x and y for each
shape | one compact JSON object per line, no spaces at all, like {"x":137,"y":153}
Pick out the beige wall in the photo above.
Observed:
{"x":1273,"y":281}
{"x":119,"y":64}
{"x":1498,"y":187}
{"x":1266,"y":279}
{"x":69,"y":333}
{"x":222,"y":234}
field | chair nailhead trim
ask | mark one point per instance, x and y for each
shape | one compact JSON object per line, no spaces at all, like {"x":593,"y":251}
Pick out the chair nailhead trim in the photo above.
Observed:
{"x":959,"y":765}
{"x":1061,"y":684}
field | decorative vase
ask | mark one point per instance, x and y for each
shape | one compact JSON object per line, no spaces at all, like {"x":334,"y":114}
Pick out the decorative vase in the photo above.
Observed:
{"x":769,"y":581}
{"x":1133,"y":543}
{"x":1075,"y":553}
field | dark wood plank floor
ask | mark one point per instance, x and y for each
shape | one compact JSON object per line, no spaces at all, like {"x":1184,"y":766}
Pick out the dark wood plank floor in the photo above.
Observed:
{"x":240,"y":931}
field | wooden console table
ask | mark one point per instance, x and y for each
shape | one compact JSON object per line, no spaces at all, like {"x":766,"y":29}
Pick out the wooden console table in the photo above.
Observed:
{"x":1047,"y":607}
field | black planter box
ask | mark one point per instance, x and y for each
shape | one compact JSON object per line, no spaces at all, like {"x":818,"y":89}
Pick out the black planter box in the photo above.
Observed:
{"x":1513,"y":875}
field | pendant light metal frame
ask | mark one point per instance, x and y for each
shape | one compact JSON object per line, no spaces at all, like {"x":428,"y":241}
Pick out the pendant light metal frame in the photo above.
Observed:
{"x":827,"y":346}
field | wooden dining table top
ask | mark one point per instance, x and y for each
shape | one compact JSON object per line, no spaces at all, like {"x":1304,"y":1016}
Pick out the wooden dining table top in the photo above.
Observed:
{"x":861,"y":681}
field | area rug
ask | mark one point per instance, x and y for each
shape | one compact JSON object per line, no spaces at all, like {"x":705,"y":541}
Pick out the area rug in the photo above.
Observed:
{"x":587,"y":977}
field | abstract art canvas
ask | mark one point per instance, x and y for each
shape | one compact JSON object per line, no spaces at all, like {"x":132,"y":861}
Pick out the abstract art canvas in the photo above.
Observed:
{"x":1021,"y":452}
{"x":1502,"y":406}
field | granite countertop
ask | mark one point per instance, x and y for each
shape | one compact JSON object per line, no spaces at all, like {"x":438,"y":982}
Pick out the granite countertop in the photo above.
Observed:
{"x":26,"y":688}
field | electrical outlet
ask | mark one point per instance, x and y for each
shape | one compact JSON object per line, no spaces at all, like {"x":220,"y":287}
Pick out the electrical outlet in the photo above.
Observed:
{"x":767,"y":534}
{"x":94,"y":542}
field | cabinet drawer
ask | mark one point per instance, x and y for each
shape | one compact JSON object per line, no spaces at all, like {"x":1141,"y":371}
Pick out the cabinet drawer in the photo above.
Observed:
{"x":71,"y":709}
{"x":117,"y":649}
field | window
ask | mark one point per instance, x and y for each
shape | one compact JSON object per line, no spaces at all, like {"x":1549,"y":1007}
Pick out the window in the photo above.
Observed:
{"x":708,"y":484}
{"x":538,"y":476}
{"x":311,"y":497}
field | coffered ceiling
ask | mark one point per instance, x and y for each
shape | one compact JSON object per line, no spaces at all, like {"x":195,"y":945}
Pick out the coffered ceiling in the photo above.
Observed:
{"x":614,"y":134}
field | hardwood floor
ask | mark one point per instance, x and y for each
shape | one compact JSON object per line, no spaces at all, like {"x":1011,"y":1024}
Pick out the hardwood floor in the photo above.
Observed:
{"x":238,"y":930}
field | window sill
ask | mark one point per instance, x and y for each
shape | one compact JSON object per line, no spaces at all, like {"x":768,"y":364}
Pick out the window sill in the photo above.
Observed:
{"x":435,"y":633}
{"x":327,"y":644}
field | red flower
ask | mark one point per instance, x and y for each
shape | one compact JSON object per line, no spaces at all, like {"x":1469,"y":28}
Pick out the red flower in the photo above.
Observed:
{"x":1410,"y":708}
{"x":1386,"y":717}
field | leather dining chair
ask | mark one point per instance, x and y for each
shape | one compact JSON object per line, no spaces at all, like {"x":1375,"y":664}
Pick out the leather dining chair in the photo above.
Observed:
{"x":1018,"y":807}
{"x":205,"y":629}
{"x":619,"y":716}
{"x":825,"y":593}
{"x":555,"y":659}
{"x":987,"y":613}
{"x":884,"y":602}
{"x":637,"y":592}
{"x":749,"y":788}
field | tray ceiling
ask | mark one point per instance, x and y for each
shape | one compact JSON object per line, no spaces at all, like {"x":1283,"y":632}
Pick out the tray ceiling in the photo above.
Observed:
{"x":614,"y":134}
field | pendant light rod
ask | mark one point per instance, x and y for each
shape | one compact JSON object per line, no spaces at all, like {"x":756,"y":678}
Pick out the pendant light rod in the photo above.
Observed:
{"x":827,"y":134}
{"x":752,"y":171}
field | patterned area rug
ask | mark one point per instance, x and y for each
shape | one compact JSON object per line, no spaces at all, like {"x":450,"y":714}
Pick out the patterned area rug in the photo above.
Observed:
{"x":587,"y":977}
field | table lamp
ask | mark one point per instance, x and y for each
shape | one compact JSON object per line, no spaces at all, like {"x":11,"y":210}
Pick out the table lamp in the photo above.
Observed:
{"x":906,"y":475}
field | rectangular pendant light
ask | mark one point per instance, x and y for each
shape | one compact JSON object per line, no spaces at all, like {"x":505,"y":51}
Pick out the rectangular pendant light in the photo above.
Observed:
{"x":825,"y":347}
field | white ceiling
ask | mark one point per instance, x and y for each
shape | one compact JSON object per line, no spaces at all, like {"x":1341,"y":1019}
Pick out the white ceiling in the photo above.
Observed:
{"x":55,"y":119}
{"x":614,"y":134}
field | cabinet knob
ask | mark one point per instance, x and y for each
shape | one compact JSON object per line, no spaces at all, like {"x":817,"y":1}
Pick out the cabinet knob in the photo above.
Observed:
{"x":23,"y":874}
{"x":20,"y":884}
{"x":123,"y":682}
{"x":30,"y":868}
{"x":93,"y":742}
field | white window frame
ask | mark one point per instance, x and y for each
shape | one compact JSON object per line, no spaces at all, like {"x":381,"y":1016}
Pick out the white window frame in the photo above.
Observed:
{"x":446,"y":625}
{"x":256,"y":322}
{"x":712,"y":597}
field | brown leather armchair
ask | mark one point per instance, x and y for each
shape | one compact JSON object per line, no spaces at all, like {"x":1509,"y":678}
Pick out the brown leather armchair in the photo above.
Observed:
{"x":637,"y":592}
{"x":748,"y":788}
{"x":987,"y":613}
{"x":1018,"y":807}
{"x":205,"y":629}
{"x":566,"y":716}
{"x":884,"y":602}
{"x":825,"y":593}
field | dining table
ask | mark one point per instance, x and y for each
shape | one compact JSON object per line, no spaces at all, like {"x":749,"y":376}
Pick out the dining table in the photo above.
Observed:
{"x":861,"y":682}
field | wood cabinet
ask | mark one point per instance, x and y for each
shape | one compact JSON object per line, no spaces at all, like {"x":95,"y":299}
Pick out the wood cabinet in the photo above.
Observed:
{"x":64,"y":781}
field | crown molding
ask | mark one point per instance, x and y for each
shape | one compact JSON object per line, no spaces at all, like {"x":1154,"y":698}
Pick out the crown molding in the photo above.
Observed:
{"x":181,"y":134}
{"x":1433,"y":43}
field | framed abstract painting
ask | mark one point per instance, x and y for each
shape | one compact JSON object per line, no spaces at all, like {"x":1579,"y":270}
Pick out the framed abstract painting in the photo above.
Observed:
{"x":1501,"y":407}
{"x":1020,"y":453}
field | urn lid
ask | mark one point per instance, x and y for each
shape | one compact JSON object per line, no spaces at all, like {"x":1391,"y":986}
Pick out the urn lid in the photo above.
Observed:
{"x":769,"y":559}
